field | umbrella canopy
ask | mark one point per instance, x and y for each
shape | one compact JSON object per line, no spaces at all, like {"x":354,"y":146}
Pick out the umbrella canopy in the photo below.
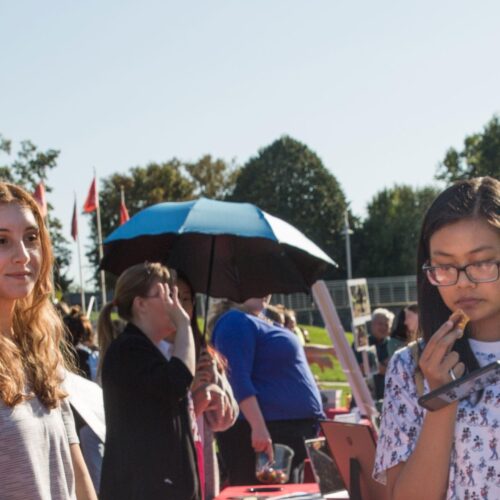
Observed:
{"x":232,"y":250}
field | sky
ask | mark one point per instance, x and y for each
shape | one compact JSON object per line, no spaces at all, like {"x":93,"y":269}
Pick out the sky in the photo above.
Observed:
{"x":379,"y":90}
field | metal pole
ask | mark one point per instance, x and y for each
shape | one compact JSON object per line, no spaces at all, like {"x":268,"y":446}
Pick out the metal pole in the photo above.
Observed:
{"x":53,"y":277}
{"x":79,"y":253}
{"x":209,"y":285}
{"x":348,"y":232}
{"x":99,"y":240}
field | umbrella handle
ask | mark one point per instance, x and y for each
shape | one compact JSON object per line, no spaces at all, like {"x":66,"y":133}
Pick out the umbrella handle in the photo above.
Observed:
{"x":209,"y":284}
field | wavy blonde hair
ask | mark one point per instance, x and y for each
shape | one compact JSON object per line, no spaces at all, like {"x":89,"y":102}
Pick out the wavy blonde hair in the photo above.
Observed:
{"x":32,"y":359}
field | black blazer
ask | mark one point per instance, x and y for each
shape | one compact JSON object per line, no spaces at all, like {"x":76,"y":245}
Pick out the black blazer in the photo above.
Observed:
{"x":149,"y":451}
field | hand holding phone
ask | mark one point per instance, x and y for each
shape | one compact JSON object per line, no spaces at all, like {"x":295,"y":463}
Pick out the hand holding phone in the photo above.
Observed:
{"x":462,"y":388}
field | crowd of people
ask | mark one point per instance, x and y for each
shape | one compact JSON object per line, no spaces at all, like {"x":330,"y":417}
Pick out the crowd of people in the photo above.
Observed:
{"x":184,"y":409}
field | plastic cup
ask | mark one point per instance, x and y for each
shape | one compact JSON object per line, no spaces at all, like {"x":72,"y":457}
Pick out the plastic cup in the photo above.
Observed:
{"x":278,"y":470}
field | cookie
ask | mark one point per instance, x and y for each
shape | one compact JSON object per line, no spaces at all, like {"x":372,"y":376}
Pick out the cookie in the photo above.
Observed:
{"x":460,"y":320}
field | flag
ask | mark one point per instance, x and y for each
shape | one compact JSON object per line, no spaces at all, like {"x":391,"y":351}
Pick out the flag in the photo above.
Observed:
{"x":74,"y":223}
{"x":124,"y":216}
{"x":39,"y":196}
{"x":92,"y":201}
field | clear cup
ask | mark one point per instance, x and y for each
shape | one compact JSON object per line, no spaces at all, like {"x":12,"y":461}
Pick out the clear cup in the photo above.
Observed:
{"x":278,"y":470}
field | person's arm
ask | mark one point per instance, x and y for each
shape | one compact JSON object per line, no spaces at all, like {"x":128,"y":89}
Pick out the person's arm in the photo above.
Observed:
{"x":425,"y":474}
{"x":223,"y":410}
{"x":261,"y":439}
{"x":83,"y":483}
{"x":382,"y":367}
{"x":320,"y":354}
{"x":183,"y":348}
{"x":320,"y":349}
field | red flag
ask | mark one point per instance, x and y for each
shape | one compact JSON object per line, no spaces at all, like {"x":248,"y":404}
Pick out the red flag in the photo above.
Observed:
{"x":39,"y":196}
{"x":124,"y":216}
{"x":92,"y":201}
{"x":74,"y":224}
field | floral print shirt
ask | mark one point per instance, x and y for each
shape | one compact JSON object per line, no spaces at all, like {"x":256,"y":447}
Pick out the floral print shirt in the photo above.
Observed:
{"x":475,"y":463}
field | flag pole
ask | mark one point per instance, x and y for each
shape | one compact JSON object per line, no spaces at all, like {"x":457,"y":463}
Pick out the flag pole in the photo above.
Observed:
{"x":79,"y":253}
{"x":99,"y":241}
{"x":53,"y":277}
{"x":40,"y":196}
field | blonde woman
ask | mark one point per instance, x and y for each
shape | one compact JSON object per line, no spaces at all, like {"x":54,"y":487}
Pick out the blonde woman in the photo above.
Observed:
{"x":40,"y":457}
{"x":149,"y":450}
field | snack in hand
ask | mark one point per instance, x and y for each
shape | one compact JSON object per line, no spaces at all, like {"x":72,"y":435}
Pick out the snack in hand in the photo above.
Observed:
{"x":460,"y":319}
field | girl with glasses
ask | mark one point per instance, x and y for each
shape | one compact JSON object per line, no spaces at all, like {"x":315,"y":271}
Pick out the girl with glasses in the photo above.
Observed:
{"x":452,"y":452}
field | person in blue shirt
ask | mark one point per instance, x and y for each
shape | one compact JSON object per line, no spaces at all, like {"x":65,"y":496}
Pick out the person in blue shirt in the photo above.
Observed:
{"x":275,"y":389}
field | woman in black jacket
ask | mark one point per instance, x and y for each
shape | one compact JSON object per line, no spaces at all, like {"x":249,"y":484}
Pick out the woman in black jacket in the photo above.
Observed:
{"x":149,"y":451}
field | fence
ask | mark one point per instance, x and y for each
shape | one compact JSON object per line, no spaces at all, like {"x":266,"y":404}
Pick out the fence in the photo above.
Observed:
{"x":393,"y":293}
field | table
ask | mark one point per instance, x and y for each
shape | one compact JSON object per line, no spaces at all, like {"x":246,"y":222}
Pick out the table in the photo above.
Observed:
{"x":331,"y":412}
{"x":235,"y":491}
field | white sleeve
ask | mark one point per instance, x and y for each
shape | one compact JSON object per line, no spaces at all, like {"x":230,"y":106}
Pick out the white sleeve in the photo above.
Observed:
{"x":402,"y":417}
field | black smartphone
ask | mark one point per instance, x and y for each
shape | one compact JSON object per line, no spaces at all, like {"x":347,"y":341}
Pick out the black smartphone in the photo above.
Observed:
{"x":462,"y":387}
{"x":264,"y":489}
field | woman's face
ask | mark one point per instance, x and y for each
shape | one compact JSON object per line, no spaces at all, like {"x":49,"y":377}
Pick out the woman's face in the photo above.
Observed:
{"x":380,"y":327}
{"x":20,"y":252}
{"x":185,"y":297}
{"x":411,"y":321}
{"x":156,"y":311}
{"x":467,"y":242}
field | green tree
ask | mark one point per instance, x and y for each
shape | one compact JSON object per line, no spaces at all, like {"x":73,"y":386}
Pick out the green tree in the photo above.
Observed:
{"x":143,"y":186}
{"x":386,"y":243}
{"x":289,"y":180}
{"x":212,"y":178}
{"x":29,"y":167}
{"x":479,"y":157}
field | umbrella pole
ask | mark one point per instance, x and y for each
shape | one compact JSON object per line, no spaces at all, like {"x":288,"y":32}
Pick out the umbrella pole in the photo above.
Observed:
{"x":209,"y":285}
{"x":345,"y":354}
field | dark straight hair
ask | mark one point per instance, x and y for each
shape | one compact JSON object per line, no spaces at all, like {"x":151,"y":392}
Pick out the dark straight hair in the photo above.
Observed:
{"x":477,"y":198}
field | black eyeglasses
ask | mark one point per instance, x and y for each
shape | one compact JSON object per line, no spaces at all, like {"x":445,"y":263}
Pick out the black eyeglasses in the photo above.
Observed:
{"x":478,"y":272}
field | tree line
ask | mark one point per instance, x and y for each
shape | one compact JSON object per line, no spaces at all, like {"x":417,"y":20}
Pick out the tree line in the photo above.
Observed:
{"x":286,"y":179}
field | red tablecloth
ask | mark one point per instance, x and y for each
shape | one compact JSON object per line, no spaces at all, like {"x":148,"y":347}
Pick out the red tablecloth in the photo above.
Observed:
{"x":235,"y":491}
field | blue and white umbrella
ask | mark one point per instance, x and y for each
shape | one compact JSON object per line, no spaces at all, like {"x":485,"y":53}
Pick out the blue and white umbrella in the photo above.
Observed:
{"x":225,"y":249}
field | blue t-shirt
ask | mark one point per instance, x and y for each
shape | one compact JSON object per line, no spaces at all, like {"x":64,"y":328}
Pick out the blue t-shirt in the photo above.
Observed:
{"x":268,"y":362}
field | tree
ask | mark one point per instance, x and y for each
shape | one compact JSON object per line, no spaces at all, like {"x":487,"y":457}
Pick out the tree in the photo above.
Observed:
{"x":29,"y":167}
{"x":143,"y":186}
{"x":289,"y":180}
{"x":479,"y":157}
{"x":386,"y":244}
{"x":212,"y":178}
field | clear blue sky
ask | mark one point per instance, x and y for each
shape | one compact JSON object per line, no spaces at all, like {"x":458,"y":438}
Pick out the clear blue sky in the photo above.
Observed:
{"x":379,"y":90}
